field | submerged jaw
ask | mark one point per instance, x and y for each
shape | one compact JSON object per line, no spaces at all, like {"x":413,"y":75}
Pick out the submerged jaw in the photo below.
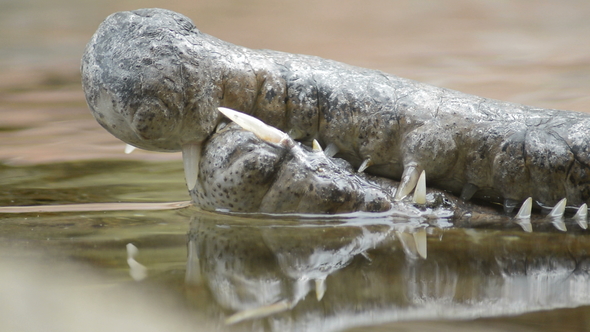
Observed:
{"x":191,"y":152}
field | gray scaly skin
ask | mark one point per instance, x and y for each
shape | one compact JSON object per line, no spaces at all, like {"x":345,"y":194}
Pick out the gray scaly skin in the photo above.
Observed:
{"x":239,"y":172}
{"x":154,"y":81}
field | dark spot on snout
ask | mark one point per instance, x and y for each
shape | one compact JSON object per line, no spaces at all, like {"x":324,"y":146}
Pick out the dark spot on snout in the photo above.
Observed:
{"x":270,"y":94}
{"x":505,"y":147}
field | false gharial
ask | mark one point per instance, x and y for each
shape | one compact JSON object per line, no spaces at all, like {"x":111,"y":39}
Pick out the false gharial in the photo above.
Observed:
{"x":155,"y":81}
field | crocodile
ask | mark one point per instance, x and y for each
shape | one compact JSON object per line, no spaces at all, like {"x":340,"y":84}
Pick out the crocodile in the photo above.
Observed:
{"x":155,"y":81}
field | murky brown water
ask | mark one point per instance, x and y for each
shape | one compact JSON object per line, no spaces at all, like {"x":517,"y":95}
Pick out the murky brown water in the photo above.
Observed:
{"x":70,"y":270}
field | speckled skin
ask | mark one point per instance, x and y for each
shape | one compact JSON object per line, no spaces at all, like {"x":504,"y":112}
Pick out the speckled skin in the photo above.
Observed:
{"x":239,"y":172}
{"x":154,"y":81}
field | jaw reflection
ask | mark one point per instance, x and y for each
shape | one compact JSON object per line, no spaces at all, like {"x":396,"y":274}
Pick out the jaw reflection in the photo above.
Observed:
{"x":261,"y":269}
{"x":330,"y":277}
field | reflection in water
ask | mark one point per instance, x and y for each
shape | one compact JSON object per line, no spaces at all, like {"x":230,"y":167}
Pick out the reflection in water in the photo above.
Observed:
{"x":326,"y":277}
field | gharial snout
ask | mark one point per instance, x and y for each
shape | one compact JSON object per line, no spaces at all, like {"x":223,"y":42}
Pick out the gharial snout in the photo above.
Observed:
{"x":132,"y":81}
{"x":144,"y":82}
{"x":148,"y":126}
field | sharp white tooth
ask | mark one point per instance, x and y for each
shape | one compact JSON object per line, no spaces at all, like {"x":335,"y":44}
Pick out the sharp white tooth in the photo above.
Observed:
{"x":259,"y":128}
{"x":523,"y":217}
{"x":366,"y":163}
{"x":320,"y":288}
{"x":331,"y":150}
{"x":556,"y":215}
{"x":469,"y":189}
{"x":316,"y":146}
{"x":408,"y":182}
{"x":421,"y":242}
{"x":525,"y":210}
{"x":129,"y":148}
{"x":558,"y":209}
{"x":191,"y":156}
{"x":420,"y":191}
{"x":581,"y":216}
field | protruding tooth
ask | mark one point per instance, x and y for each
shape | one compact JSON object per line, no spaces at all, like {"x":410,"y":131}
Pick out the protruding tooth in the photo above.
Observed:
{"x":558,"y":209}
{"x":556,"y":215}
{"x":320,"y":288}
{"x":525,"y":210}
{"x":581,"y":216}
{"x":523,"y":217}
{"x":331,"y":150}
{"x":259,"y":128}
{"x":191,"y":156}
{"x":421,"y":242}
{"x":509,"y":205}
{"x":469,"y":189}
{"x":315,"y":145}
{"x":366,"y":163}
{"x":420,"y":191}
{"x":129,"y":148}
{"x":408,"y":182}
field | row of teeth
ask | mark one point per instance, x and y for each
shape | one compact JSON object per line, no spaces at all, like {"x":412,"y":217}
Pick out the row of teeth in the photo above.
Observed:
{"x":522,"y":217}
{"x":412,"y":178}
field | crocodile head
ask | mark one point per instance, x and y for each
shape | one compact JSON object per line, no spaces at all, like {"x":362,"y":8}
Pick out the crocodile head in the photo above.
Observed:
{"x":261,"y":169}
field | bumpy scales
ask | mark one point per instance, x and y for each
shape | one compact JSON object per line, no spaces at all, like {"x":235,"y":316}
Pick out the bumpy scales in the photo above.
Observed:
{"x":155,"y":81}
